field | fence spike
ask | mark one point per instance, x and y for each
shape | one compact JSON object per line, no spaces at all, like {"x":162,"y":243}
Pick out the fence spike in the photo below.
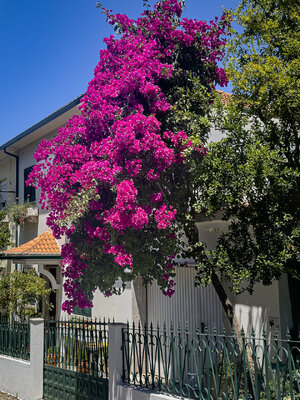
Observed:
{"x":186,"y":327}
{"x":205,"y":330}
{"x":223,"y":331}
{"x":214,"y":330}
{"x":179,"y":327}
{"x":243,"y":332}
{"x":288,"y":334}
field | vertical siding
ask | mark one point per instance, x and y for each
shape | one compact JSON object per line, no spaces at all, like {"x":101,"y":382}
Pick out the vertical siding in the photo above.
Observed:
{"x":189,"y":305}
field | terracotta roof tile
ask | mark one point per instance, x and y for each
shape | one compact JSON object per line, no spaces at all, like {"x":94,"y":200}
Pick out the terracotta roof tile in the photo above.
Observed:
{"x":44,"y":245}
{"x":225,"y":96}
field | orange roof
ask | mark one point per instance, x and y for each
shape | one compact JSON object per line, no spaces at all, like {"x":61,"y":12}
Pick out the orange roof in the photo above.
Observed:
{"x":43,"y":245}
{"x":225,"y":96}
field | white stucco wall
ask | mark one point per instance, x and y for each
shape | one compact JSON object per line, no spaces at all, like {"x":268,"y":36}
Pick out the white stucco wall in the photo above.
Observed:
{"x":262,"y":308}
{"x":10,"y":369}
{"x":117,"y":307}
{"x":258,"y":311}
{"x":25,"y":378}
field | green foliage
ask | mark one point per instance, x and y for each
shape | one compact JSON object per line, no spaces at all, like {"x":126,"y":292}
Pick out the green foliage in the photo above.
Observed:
{"x":252,"y":175}
{"x":20,"y":292}
{"x":17,"y":212}
{"x":4,"y":231}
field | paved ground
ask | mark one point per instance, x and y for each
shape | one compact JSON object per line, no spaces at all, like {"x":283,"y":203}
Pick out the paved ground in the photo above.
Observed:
{"x":4,"y":396}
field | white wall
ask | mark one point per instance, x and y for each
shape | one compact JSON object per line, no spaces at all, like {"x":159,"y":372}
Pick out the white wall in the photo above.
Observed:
{"x":259,"y":310}
{"x":11,"y":368}
{"x":117,"y":307}
{"x":189,"y":304}
{"x":24,"y":378}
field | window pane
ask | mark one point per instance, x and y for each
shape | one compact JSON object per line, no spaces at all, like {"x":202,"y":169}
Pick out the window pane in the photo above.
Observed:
{"x":29,"y":191}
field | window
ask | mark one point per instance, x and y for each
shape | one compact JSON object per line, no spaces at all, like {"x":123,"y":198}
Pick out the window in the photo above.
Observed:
{"x":83,"y":312}
{"x":3,"y":194}
{"x":29,"y":191}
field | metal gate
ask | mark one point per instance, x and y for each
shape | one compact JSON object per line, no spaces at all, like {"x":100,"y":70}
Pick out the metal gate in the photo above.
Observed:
{"x":76,"y":360}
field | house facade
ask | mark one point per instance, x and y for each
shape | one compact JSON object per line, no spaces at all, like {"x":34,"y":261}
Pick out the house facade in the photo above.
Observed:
{"x":268,"y":307}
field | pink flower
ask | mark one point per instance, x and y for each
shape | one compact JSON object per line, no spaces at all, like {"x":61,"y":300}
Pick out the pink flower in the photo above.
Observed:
{"x":111,"y":158}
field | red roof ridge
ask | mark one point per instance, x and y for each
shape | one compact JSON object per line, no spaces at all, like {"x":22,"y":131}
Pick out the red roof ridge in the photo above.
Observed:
{"x":45,"y":244}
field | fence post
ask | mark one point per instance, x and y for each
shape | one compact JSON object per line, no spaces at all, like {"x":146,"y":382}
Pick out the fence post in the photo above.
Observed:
{"x":115,"y":357}
{"x":37,"y":356}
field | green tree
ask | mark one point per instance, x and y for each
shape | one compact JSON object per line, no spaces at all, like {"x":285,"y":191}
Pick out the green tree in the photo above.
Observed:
{"x":20,"y":293}
{"x":253,"y":173}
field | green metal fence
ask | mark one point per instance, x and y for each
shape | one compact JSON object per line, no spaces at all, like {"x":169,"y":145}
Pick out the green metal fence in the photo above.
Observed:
{"x":15,"y":339}
{"x":78,"y":345}
{"x":210,"y":365}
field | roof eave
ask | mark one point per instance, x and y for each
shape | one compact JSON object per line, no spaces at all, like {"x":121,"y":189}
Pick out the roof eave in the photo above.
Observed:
{"x":31,"y":256}
{"x":43,"y":122}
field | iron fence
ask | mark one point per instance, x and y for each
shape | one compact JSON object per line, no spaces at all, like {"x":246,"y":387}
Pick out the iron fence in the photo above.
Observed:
{"x":211,"y":366}
{"x":15,"y":339}
{"x":78,"y":345}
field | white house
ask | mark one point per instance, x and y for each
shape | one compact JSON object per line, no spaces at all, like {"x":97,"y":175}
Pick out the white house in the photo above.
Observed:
{"x":268,"y":306}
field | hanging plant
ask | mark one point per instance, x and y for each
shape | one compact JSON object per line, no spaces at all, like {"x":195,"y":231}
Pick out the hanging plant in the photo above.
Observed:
{"x":17,"y":212}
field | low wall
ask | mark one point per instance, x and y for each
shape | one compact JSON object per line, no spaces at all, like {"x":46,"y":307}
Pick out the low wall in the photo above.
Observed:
{"x":124,"y":392}
{"x":25,"y":378}
{"x":15,"y":377}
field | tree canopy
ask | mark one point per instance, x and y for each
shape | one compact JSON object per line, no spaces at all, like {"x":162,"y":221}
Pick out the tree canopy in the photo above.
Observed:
{"x":253,"y":173}
{"x":20,"y":293}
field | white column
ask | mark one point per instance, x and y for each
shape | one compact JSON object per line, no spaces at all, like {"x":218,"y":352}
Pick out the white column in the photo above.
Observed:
{"x":115,"y":358}
{"x":37,"y":356}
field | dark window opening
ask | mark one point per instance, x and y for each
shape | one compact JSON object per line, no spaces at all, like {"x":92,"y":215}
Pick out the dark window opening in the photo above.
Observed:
{"x":29,"y":191}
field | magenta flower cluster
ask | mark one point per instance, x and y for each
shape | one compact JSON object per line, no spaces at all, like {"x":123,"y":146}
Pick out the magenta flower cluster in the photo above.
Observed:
{"x":116,"y":146}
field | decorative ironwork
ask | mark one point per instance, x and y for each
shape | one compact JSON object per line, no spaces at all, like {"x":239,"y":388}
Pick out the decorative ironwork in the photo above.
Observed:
{"x":79,"y":345}
{"x":76,"y":360}
{"x":212,"y":366}
{"x":15,"y":338}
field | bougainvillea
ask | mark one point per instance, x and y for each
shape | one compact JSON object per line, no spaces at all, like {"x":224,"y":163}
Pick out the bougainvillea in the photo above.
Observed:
{"x":115,"y":178}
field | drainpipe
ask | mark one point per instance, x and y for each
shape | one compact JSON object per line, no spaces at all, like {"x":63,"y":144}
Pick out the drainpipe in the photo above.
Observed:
{"x":17,"y":186}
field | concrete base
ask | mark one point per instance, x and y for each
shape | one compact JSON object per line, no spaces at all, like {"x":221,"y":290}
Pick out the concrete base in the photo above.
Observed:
{"x":21,"y":378}
{"x":15,"y":377}
{"x":124,"y":392}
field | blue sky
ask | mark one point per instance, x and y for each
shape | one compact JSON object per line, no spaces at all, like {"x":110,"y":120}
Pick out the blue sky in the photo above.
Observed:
{"x":49,"y":49}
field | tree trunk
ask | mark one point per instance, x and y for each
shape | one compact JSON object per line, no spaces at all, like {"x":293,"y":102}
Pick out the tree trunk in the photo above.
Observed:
{"x":234,"y":322}
{"x":227,"y":305}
